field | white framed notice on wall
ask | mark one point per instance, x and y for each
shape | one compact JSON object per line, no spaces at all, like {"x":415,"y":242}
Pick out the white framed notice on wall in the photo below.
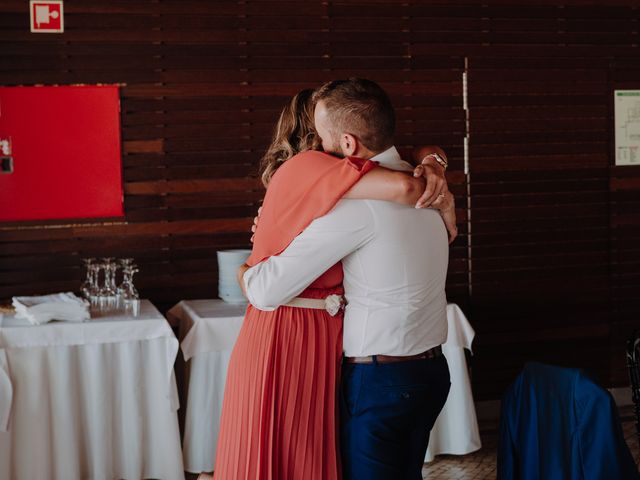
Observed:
{"x":626,"y":105}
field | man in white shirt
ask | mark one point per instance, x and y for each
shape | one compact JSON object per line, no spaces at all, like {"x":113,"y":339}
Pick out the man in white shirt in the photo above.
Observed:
{"x":395,"y":378}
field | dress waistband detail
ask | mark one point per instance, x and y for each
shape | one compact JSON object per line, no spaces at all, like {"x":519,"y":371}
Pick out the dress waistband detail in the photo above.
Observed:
{"x":332,"y":304}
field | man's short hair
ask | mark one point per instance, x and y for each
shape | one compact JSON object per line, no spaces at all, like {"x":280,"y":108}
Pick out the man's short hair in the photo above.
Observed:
{"x":359,"y":107}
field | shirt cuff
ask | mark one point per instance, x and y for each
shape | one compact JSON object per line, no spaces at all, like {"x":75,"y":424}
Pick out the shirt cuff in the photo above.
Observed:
{"x":249,"y":286}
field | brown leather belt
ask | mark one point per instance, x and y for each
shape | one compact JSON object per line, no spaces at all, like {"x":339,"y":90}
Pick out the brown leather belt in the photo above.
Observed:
{"x":431,"y":353}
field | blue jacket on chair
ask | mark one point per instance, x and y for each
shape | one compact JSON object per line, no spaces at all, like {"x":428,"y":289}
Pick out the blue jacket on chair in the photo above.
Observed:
{"x":559,"y":424}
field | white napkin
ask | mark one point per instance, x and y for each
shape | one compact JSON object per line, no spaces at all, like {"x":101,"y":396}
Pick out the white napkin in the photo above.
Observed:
{"x":59,"y":306}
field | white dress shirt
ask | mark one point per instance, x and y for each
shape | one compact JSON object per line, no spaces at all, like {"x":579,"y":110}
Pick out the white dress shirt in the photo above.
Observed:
{"x":395,"y":265}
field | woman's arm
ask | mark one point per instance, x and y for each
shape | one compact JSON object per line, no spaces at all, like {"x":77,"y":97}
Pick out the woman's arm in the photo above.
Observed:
{"x":431,"y":168}
{"x":420,"y":153}
{"x":422,"y":191}
{"x":394,"y":186}
{"x":390,"y":185}
{"x":399,"y":187}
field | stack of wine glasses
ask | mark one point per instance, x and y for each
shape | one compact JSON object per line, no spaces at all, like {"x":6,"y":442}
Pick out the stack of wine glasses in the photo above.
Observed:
{"x":100,"y":287}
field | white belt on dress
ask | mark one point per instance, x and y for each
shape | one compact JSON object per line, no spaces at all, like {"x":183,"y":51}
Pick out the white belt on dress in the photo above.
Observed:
{"x":332,"y":304}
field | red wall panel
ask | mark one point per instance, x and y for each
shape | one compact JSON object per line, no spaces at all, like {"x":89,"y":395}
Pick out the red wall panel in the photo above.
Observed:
{"x":65,"y":150}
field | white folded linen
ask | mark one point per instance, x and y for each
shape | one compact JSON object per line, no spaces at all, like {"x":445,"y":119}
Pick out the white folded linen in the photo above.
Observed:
{"x":59,"y":306}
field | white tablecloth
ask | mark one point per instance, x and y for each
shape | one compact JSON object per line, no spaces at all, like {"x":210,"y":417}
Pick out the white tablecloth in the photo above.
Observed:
{"x":208,"y":330}
{"x":456,"y":428}
{"x":93,"y":400}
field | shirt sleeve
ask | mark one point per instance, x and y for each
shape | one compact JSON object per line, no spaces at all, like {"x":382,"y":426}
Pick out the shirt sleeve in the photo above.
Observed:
{"x":322,"y":244}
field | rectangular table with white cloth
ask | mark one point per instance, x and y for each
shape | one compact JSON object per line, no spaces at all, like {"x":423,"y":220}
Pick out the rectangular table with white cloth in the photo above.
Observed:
{"x":94,"y":399}
{"x":208,"y":330}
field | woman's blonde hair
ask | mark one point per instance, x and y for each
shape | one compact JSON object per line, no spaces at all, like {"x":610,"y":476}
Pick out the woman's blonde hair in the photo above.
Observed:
{"x":294,"y":133}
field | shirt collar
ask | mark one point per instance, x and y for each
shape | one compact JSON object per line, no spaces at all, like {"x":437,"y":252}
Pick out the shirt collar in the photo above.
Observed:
{"x":390,"y":158}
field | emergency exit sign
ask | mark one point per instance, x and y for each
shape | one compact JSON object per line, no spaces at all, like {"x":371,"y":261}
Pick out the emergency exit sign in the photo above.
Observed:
{"x":46,"y":16}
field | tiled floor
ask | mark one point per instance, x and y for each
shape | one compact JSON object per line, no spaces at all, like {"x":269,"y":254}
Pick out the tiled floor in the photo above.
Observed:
{"x":477,"y":465}
{"x":481,"y":465}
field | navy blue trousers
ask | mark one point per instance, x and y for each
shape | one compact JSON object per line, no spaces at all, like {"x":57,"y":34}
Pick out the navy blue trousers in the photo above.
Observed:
{"x":386,"y":414}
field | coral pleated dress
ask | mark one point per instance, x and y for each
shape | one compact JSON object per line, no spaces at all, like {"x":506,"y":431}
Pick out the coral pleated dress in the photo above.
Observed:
{"x":279,"y":415}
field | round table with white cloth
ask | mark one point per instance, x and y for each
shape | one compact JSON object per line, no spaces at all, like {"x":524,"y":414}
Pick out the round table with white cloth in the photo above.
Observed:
{"x":96,"y":399}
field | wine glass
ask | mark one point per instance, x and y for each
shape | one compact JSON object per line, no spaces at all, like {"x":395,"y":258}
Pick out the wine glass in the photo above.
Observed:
{"x":87,"y":287}
{"x":128,"y":292}
{"x":107,"y":293}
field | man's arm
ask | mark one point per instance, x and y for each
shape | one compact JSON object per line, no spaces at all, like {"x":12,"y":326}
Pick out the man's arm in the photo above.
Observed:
{"x":321,"y":245}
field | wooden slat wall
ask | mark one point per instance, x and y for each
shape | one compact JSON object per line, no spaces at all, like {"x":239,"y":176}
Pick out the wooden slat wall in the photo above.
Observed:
{"x":548,"y":253}
{"x":554,"y":226}
{"x":205,"y":82}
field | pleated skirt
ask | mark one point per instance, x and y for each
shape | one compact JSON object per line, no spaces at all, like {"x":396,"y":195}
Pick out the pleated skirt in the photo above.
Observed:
{"x":280,"y":411}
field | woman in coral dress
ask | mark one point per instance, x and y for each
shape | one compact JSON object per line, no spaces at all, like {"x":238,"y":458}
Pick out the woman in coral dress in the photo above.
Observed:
{"x":279,"y":417}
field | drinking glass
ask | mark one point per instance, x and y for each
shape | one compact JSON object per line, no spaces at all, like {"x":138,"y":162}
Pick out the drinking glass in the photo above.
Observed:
{"x":107,"y":293}
{"x":87,"y":286}
{"x":128,"y":292}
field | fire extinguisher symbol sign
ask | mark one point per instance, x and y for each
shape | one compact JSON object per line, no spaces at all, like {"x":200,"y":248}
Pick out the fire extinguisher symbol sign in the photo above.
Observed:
{"x":46,"y":16}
